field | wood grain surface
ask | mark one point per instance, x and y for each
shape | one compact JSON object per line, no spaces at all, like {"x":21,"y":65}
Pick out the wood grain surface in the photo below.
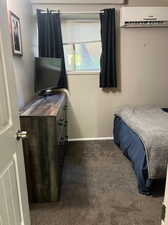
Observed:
{"x":45,"y":121}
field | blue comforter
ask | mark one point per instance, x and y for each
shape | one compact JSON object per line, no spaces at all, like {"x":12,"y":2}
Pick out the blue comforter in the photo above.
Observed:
{"x":133,"y":148}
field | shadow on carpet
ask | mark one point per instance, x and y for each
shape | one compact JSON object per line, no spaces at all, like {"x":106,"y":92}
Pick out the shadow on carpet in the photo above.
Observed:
{"x":99,"y":188}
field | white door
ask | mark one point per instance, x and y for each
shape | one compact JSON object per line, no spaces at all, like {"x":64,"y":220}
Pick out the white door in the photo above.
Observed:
{"x":14,"y":208}
{"x":165,"y":204}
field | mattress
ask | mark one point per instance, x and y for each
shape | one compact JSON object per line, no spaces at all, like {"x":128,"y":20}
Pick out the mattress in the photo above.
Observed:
{"x":132,"y":147}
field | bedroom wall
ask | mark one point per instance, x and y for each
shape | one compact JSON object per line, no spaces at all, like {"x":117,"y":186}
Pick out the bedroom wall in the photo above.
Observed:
{"x":24,"y":66}
{"x":143,"y":72}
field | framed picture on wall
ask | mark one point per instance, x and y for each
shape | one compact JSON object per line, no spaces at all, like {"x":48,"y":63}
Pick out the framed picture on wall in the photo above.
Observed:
{"x":16,"y":34}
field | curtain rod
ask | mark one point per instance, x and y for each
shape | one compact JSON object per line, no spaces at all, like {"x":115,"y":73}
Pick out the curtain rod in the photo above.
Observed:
{"x":58,"y":11}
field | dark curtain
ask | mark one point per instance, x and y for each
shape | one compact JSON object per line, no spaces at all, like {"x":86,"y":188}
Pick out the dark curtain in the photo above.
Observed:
{"x":108,"y":74}
{"x":50,"y":40}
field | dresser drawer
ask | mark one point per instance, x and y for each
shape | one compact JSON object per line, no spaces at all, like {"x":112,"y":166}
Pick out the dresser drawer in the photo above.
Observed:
{"x":45,"y":121}
{"x":61,"y":124}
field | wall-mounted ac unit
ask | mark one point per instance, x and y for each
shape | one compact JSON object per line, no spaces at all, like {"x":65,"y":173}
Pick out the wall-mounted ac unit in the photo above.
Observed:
{"x":144,"y":17}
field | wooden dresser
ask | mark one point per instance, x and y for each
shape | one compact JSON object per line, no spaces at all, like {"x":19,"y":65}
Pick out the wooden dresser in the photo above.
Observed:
{"x":45,"y":120}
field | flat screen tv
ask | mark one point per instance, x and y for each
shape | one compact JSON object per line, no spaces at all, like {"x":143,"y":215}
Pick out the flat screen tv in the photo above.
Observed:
{"x":47,"y":74}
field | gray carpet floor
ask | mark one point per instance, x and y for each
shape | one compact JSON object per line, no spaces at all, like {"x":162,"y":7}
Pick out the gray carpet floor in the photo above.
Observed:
{"x":99,"y":188}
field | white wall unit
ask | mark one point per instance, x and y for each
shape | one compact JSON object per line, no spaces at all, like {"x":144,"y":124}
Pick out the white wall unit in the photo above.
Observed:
{"x":144,"y":17}
{"x":69,"y":2}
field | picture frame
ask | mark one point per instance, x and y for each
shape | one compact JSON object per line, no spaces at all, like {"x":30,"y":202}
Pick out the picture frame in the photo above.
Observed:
{"x":16,"y":37}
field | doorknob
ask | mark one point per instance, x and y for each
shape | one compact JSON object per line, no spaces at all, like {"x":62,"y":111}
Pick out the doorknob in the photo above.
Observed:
{"x":21,"y":135}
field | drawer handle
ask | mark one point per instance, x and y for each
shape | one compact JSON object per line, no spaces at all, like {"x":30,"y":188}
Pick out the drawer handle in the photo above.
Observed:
{"x":61,"y":142}
{"x":60,"y":123}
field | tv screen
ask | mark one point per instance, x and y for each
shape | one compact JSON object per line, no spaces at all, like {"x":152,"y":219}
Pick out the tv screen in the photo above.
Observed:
{"x":48,"y":71}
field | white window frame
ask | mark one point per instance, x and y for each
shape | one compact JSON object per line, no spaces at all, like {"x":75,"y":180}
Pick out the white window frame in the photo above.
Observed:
{"x":74,"y":72}
{"x":86,"y":20}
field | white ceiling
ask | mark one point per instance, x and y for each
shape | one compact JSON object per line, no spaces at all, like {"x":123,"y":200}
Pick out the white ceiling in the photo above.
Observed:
{"x":69,"y":2}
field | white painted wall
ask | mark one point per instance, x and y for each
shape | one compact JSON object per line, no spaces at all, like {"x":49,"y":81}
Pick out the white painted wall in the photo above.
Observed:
{"x":144,"y":80}
{"x":143,"y":72}
{"x":24,"y":66}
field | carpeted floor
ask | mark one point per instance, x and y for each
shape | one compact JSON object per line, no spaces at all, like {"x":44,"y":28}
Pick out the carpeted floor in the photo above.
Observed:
{"x":99,"y":188}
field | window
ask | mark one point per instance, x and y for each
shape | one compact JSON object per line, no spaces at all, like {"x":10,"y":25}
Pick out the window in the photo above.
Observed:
{"x":82,"y":45}
{"x":84,"y":56}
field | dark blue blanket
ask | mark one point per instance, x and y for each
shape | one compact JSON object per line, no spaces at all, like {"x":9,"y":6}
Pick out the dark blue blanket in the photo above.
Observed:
{"x":133,"y":148}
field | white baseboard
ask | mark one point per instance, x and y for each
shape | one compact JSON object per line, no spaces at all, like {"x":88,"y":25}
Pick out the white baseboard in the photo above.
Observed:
{"x":90,"y":139}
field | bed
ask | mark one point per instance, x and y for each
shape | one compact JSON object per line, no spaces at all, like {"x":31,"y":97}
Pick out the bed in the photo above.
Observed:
{"x":133,"y":148}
